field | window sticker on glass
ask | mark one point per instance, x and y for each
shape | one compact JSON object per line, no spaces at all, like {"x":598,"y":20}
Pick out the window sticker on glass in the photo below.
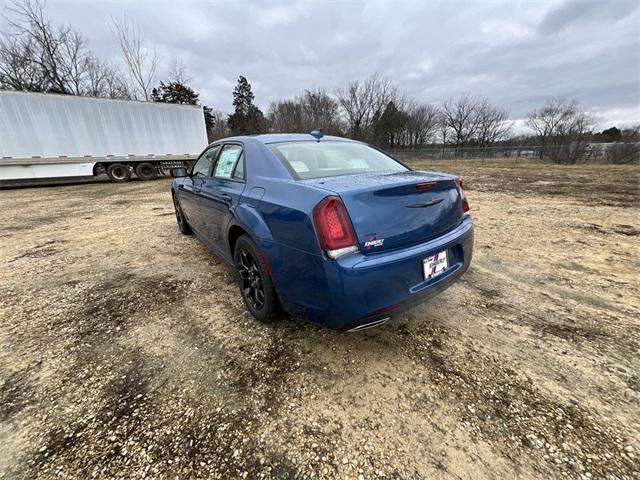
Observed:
{"x":227,"y":160}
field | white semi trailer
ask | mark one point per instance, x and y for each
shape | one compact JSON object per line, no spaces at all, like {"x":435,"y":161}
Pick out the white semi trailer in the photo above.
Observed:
{"x":47,"y":136}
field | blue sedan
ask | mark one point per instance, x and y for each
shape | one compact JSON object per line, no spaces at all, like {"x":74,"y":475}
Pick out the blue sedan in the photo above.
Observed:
{"x":326,"y":228}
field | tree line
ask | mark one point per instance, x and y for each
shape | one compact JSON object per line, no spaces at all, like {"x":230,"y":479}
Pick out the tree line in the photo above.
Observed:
{"x":376,"y":111}
{"x":37,"y":55}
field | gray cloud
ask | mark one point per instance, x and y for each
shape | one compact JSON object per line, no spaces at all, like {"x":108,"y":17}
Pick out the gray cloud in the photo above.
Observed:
{"x":516,"y":53}
{"x":576,"y":12}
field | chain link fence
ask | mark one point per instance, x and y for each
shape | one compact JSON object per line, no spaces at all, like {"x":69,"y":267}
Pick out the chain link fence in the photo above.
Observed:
{"x":616,"y":153}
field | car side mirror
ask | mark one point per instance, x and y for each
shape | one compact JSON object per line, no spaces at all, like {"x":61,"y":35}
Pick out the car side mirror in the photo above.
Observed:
{"x":178,"y":172}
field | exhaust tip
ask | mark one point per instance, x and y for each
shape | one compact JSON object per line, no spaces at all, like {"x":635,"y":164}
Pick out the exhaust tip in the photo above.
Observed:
{"x":366,"y":326}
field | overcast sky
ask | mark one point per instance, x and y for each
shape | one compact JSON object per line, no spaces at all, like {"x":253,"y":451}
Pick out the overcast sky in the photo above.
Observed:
{"x":516,"y":53}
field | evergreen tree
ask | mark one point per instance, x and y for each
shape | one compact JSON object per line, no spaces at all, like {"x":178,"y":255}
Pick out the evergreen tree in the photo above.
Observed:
{"x":209,"y":119}
{"x":247,"y":118}
{"x":388,"y":127}
{"x":612,"y":134}
{"x":175,"y":92}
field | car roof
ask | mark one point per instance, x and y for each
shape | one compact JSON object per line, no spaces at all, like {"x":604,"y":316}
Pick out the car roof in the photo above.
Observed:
{"x":284,"y":137}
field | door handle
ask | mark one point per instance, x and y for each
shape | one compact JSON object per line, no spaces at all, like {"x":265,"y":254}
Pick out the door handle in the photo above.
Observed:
{"x":196,"y":190}
{"x":226,"y":197}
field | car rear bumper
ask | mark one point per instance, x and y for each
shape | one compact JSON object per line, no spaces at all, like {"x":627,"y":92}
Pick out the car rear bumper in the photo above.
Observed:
{"x":358,"y":289}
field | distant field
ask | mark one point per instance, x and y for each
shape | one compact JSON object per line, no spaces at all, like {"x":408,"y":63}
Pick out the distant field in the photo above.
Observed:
{"x":616,"y":185}
{"x":126,"y":350}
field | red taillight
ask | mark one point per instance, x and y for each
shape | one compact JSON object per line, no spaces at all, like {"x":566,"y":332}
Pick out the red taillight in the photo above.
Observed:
{"x":463,"y":195}
{"x":334,"y":228}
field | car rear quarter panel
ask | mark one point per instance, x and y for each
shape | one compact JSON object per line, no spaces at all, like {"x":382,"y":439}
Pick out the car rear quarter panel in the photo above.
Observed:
{"x":281,"y":223}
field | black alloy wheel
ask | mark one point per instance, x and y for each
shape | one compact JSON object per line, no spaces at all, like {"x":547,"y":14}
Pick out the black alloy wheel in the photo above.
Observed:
{"x":250,"y":280}
{"x":254,"y":280}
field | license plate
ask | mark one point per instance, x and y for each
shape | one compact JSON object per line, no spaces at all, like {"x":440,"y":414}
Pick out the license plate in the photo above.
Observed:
{"x":434,"y":265}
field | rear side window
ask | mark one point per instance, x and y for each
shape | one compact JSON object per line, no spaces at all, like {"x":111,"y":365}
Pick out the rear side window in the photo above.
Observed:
{"x":227,"y":161}
{"x":238,"y":173}
{"x":311,"y":159}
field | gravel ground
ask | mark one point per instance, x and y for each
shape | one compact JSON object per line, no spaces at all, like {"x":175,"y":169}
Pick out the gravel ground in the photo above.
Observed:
{"x":126,"y":352}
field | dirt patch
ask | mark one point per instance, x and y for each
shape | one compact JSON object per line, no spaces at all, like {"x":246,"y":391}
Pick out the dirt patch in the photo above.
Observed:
{"x":627,"y":230}
{"x":39,"y":251}
{"x":15,"y":392}
{"x":499,"y":405}
{"x":126,"y":350}
{"x":109,"y":304}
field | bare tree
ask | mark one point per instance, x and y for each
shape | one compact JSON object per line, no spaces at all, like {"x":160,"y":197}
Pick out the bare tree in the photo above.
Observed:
{"x":116,"y":85}
{"x":33,"y":34}
{"x":422,"y":124}
{"x":218,"y":128}
{"x":561,"y":127}
{"x":141,"y":62}
{"x":74,"y":60}
{"x":473,"y":121}
{"x":32,"y":25}
{"x":96,"y":77}
{"x":18,"y":71}
{"x":320,"y":111}
{"x":314,"y":109}
{"x":39,"y":56}
{"x":364,"y":101}
{"x":459,"y":117}
{"x":492,"y":124}
{"x":443,"y":127}
{"x":177,"y":72}
{"x":286,"y":116}
{"x":104,"y":80}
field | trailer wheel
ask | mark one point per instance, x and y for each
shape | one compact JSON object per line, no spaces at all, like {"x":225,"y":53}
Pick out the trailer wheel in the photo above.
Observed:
{"x":146,"y":171}
{"x":118,"y":172}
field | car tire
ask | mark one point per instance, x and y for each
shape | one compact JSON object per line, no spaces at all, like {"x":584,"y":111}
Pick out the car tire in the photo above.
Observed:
{"x":146,"y":171}
{"x":253,"y":277}
{"x":183,"y":225}
{"x":118,"y":172}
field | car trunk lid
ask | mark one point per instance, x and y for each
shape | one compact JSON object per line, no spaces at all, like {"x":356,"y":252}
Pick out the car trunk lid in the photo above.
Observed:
{"x":390,"y":211}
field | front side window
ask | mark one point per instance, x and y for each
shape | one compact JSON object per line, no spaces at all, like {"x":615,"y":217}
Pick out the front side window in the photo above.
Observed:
{"x":227,"y":161}
{"x":203,"y":165}
{"x":310,"y":159}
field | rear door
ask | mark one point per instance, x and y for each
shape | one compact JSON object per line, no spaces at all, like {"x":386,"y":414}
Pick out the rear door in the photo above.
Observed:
{"x":221,"y":192}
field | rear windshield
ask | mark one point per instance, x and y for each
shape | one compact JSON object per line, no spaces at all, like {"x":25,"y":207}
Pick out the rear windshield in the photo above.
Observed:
{"x":311,"y":159}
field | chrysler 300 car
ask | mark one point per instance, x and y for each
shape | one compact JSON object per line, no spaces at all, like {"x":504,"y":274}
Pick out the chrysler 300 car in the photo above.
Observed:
{"x":329,"y":229}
